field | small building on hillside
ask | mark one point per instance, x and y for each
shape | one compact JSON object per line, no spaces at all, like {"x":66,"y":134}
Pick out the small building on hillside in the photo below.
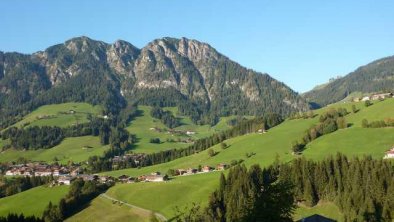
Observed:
{"x":389,"y":154}
{"x":221,"y":166}
{"x":64,"y":180}
{"x":155,"y":178}
{"x":123,"y":178}
{"x":365,"y":98}
{"x":192,"y":171}
{"x":180,"y":172}
{"x":381,"y":96}
{"x":206,"y":169}
{"x":316,"y":218}
{"x":190,"y":132}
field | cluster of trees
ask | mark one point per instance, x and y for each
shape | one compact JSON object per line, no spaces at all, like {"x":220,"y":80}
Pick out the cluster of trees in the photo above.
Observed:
{"x":246,"y":195}
{"x":34,"y":137}
{"x":14,"y":185}
{"x":45,"y":137}
{"x":389,"y":122}
{"x":20,"y":218}
{"x":304,"y":115}
{"x":166,"y":117}
{"x":250,"y":126}
{"x":80,"y":193}
{"x":328,"y":122}
{"x":361,"y":188}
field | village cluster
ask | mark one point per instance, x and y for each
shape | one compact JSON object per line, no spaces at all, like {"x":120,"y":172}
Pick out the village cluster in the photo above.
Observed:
{"x":373,"y":97}
{"x":64,"y":175}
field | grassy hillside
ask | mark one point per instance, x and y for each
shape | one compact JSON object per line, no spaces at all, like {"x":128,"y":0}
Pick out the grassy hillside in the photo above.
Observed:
{"x":142,"y":126}
{"x":164,"y":197}
{"x":74,"y":149}
{"x":104,"y":210}
{"x":33,"y":201}
{"x":326,"y":209}
{"x":352,"y":141}
{"x":59,"y":115}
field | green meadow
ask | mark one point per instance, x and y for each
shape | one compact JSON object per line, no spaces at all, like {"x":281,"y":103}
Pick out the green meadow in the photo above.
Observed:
{"x":33,"y":201}
{"x":76,"y":149}
{"x":142,"y":126}
{"x":353,"y":141}
{"x":104,"y":210}
{"x":59,"y":115}
{"x":325,"y":209}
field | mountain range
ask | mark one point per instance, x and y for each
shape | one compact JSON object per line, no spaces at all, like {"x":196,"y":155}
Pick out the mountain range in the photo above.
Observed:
{"x":166,"y":72}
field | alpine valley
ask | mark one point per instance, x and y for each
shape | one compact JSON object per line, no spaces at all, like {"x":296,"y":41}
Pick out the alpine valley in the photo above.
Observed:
{"x":176,"y":131}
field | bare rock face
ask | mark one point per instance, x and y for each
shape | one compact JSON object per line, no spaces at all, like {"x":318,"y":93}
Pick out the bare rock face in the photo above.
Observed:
{"x":121,"y":57}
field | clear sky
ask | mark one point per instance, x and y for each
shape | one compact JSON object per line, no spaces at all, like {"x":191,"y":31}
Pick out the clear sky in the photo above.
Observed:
{"x":301,"y":43}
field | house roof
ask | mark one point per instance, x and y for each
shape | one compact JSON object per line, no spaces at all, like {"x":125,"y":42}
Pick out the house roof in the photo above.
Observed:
{"x":316,"y":218}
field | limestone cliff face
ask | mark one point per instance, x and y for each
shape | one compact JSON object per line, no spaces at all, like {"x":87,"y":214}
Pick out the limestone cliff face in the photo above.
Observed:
{"x":191,"y":68}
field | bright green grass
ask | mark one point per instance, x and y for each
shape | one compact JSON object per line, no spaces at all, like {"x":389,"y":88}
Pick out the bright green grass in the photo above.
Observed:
{"x":141,"y":127}
{"x":101,"y":209}
{"x":58,"y":119}
{"x":266,"y":146}
{"x":163,"y":197}
{"x":325,"y":209}
{"x":33,"y":201}
{"x":352,"y":141}
{"x":70,"y":149}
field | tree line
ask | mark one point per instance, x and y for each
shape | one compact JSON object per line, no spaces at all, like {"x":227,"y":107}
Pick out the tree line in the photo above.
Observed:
{"x":362,"y":188}
{"x":245,"y":195}
{"x":329,"y":122}
{"x":14,"y":185}
{"x":98,"y":164}
{"x":389,"y":122}
{"x":165,"y":117}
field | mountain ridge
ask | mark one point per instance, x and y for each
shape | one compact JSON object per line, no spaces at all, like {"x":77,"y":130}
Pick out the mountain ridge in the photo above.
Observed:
{"x":167,"y":71}
{"x":376,"y":76}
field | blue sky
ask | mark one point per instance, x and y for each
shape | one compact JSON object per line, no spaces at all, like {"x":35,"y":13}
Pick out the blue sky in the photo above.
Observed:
{"x":301,"y":43}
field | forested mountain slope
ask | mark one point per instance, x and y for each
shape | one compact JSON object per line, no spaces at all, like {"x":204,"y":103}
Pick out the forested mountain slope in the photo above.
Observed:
{"x":377,"y":76}
{"x":167,"y":72}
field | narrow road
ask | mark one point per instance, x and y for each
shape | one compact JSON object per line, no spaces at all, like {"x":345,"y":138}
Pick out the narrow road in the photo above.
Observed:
{"x":158,"y":215}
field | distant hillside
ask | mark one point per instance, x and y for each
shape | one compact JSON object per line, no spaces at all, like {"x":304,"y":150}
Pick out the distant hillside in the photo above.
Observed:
{"x":167,"y":72}
{"x":375,"y":77}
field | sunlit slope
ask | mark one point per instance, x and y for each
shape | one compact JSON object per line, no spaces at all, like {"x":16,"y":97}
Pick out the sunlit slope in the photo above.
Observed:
{"x":32,"y":201}
{"x":105,"y":210}
{"x":76,"y":149}
{"x":61,"y":115}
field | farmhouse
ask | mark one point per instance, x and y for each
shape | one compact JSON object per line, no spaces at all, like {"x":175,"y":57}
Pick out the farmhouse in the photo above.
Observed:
{"x":180,"y":171}
{"x":365,"y":98}
{"x":389,"y":154}
{"x":381,"y":96}
{"x":206,"y":169}
{"x":221,"y":166}
{"x":192,"y":171}
{"x":66,"y":180}
{"x":155,"y":178}
{"x":190,"y":132}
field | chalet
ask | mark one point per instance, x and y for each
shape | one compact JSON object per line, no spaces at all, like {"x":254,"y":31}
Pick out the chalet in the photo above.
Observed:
{"x":123,"y":178}
{"x":155,"y":178}
{"x":142,"y":178}
{"x":9,"y":173}
{"x":206,"y":169}
{"x":192,"y":171}
{"x":87,"y":177}
{"x":190,"y":132}
{"x":389,"y":154}
{"x":180,"y":171}
{"x":381,"y":96}
{"x":66,"y":180}
{"x":42,"y":173}
{"x":221,"y":166}
{"x":365,"y":98}
{"x":316,"y":218}
{"x":356,"y":99}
